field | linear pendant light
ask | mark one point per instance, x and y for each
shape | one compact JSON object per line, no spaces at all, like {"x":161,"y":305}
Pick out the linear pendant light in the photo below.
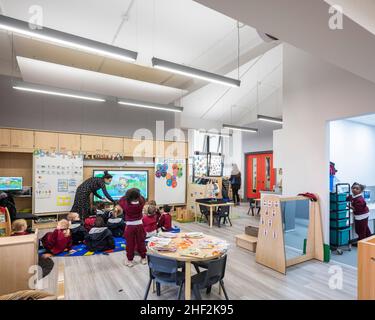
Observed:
{"x":270,"y":119}
{"x":195,"y":73}
{"x":149,"y":105}
{"x":238,"y":128}
{"x":209,"y":133}
{"x":34,"y":88}
{"x":66,"y":39}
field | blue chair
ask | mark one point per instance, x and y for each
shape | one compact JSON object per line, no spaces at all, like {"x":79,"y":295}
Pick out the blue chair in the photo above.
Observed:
{"x":164,"y":271}
{"x":206,"y":279}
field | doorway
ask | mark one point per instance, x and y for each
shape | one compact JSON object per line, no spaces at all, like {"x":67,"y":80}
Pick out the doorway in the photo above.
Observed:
{"x":260,"y":173}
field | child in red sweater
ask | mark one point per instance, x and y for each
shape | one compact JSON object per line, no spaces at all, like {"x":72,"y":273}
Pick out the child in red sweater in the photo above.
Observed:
{"x":150,"y":221}
{"x":132,"y":204}
{"x":59,"y":240}
{"x":19,"y":227}
{"x":165,"y":221}
{"x":360,"y":210}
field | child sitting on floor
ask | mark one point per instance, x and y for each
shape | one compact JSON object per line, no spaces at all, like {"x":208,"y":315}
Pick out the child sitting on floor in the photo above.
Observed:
{"x":132,"y":204}
{"x":90,"y":220}
{"x":77,"y":229}
{"x":116,"y":223}
{"x":103,"y":210}
{"x":99,"y":238}
{"x":165,"y":221}
{"x":19,"y":227}
{"x":153,"y":203}
{"x":360,"y":211}
{"x":150,"y":221}
{"x":59,"y":240}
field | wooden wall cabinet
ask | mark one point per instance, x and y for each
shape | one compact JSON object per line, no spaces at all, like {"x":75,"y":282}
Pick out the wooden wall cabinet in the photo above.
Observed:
{"x":22,"y":140}
{"x":366,"y":269}
{"x":69,"y":142}
{"x":138,"y":148}
{"x":113,"y":145}
{"x":4,"y":138}
{"x":47,"y":141}
{"x":91,"y":144}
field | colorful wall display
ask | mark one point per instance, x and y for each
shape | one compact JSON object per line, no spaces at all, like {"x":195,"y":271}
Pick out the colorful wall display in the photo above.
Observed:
{"x":56,"y":178}
{"x":170,"y":181}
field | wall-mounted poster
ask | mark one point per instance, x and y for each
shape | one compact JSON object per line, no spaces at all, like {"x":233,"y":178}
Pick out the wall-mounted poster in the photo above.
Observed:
{"x":200,"y":165}
{"x":56,"y":178}
{"x":170,"y":181}
{"x":215,"y":166}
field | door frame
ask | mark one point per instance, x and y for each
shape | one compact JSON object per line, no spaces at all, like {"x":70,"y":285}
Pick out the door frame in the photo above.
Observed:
{"x":245,"y":173}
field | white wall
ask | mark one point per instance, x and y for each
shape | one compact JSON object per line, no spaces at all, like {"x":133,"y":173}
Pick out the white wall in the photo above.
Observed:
{"x":352,"y":150}
{"x":315,"y":92}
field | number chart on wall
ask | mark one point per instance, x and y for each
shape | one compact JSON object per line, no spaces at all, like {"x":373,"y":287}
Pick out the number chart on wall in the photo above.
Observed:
{"x":56,"y":178}
{"x":170,"y":181}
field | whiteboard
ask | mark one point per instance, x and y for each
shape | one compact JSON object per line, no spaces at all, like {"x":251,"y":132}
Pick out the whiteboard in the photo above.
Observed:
{"x":170,"y":181}
{"x":55,"y":181}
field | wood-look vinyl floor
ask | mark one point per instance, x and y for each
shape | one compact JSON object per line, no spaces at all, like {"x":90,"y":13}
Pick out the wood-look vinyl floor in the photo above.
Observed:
{"x":106,"y":277}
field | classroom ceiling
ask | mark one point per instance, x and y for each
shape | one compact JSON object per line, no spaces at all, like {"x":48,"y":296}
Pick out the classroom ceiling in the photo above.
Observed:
{"x":181,"y":31}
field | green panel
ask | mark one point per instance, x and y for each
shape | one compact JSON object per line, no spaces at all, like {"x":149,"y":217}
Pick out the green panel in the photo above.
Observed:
{"x":327,"y":252}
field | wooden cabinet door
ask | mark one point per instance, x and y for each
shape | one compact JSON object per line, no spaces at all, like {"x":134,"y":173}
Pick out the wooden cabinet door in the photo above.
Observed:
{"x":138,"y":148}
{"x":47,"y":141}
{"x":69,"y":142}
{"x":22,"y":140}
{"x":366,"y":269}
{"x":92,"y":144}
{"x":175,"y":150}
{"x":160,"y":147}
{"x":4,"y":138}
{"x":113,"y":145}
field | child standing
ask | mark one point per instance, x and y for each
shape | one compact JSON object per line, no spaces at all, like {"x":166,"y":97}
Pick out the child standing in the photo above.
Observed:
{"x":19,"y":227}
{"x":99,"y":238}
{"x":132,"y":204}
{"x":77,"y":229}
{"x":59,"y":240}
{"x":150,"y":222}
{"x":115,"y":223}
{"x":360,"y":210}
{"x":165,"y":221}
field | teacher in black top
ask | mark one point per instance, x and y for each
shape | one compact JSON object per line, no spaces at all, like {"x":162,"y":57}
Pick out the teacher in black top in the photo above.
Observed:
{"x":90,"y":186}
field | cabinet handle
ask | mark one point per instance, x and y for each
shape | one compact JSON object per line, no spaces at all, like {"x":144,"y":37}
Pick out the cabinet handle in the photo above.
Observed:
{"x":4,"y":145}
{"x":15,"y":145}
{"x":373,"y":259}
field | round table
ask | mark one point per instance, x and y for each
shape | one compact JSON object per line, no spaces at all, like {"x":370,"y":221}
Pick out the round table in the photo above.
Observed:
{"x":211,"y":254}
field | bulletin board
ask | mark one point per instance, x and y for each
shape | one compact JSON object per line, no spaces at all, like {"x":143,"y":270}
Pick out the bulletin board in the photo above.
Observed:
{"x":55,"y":181}
{"x":170,"y":181}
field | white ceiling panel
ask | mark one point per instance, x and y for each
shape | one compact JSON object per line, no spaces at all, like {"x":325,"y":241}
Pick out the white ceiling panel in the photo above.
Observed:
{"x":56,"y":75}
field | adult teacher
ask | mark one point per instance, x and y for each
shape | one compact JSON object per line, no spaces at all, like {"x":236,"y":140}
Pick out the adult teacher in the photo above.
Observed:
{"x":82,"y":203}
{"x":235,"y":181}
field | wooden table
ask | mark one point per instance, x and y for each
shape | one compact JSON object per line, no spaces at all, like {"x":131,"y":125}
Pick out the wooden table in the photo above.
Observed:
{"x":188,"y":260}
{"x":211,"y":206}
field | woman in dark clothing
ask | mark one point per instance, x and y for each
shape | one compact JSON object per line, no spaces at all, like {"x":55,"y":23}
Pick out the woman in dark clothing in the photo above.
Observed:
{"x":235,"y":181}
{"x":90,"y":186}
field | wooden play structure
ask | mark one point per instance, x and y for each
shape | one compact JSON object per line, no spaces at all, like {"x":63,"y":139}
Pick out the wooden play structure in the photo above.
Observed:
{"x":366,"y":269}
{"x":271,"y":246}
{"x":5,"y":223}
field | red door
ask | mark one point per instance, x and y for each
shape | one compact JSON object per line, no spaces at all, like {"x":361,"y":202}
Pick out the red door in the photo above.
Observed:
{"x":260,"y":174}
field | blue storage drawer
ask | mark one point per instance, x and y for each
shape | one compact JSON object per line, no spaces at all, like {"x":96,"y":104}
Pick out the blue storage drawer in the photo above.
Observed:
{"x":340,"y":197}
{"x":338,"y":206}
{"x":339,"y":214}
{"x":343,"y":223}
{"x":340,"y":237}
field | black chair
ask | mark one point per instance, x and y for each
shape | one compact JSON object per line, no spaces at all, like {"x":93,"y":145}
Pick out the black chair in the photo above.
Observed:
{"x":205,"y":212}
{"x":223,"y":214}
{"x":206,"y":279}
{"x":253,"y":205}
{"x":164,"y":271}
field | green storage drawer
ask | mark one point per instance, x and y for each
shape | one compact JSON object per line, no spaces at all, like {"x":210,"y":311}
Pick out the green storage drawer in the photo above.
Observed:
{"x":339,"y":214}
{"x":340,"y":237}
{"x":343,"y":223}
{"x":338,"y":206}
{"x":334,"y":197}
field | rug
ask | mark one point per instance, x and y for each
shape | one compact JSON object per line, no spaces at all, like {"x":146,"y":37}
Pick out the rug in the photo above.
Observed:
{"x":81,"y":250}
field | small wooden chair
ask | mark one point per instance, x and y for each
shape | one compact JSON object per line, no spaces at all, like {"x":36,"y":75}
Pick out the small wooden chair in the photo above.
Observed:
{"x":7,"y":224}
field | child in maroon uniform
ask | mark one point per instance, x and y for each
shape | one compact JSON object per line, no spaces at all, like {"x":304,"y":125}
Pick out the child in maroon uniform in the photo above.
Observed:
{"x":132,"y":205}
{"x":360,"y":210}
{"x":19,"y":227}
{"x":165,"y":221}
{"x":150,"y":221}
{"x":59,"y":240}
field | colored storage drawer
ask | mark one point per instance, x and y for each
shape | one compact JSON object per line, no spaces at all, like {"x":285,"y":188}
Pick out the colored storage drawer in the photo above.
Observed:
{"x":335,"y":215}
{"x":338,"y":206}
{"x":340,"y":237}
{"x":343,"y":223}
{"x":334,"y":197}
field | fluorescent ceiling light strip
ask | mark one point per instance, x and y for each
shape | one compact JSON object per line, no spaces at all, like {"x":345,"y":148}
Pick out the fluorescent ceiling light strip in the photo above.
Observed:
{"x":238,"y":128}
{"x":28,"y":87}
{"x":66,"y":39}
{"x":226,"y":135}
{"x":149,"y":105}
{"x":193,"y":72}
{"x":270,"y":119}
